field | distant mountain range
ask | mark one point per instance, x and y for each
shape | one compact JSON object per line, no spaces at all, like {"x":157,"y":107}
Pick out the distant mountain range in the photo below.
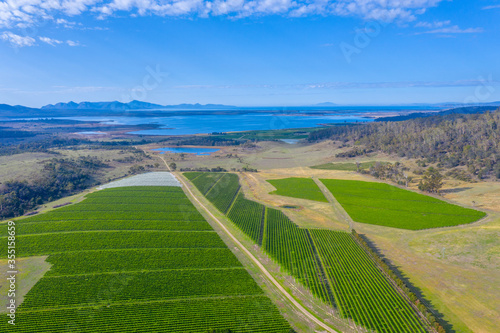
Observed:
{"x":142,"y":109}
{"x":134,"y":105}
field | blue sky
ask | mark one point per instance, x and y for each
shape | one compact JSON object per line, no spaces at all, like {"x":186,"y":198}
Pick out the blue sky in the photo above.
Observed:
{"x":259,"y":52}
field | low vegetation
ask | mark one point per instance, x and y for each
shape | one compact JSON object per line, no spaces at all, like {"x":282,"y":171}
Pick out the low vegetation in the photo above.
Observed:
{"x":390,"y":206}
{"x":133,"y":258}
{"x":303,"y":188}
{"x":362,"y":292}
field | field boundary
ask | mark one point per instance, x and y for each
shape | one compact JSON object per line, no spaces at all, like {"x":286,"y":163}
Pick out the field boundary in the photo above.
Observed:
{"x":337,"y":207}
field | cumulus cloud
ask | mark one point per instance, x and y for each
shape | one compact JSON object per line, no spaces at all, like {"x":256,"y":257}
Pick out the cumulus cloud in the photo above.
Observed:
{"x":432,"y":25}
{"x":19,"y":13}
{"x":55,"y":42}
{"x":50,"y":41}
{"x":16,"y":40}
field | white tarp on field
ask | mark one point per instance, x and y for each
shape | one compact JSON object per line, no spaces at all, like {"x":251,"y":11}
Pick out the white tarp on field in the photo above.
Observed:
{"x":145,"y":179}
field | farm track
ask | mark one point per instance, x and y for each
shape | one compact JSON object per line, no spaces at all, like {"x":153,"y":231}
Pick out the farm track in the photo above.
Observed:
{"x":261,"y":267}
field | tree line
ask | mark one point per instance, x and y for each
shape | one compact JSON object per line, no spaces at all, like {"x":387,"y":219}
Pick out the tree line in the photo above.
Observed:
{"x":58,"y":178}
{"x":469,"y":142}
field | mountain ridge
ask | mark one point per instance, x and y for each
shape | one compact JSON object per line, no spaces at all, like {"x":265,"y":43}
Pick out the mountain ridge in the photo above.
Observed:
{"x":133,"y":105}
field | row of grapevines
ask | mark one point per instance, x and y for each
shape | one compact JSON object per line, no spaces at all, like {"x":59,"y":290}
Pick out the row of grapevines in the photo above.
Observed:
{"x":131,"y":207}
{"x":115,"y":214}
{"x":91,"y":225}
{"x":224,"y":192}
{"x":44,"y":244}
{"x":248,"y":216}
{"x":206,"y":181}
{"x":363,"y":293}
{"x":173,"y":200}
{"x":252,"y":314}
{"x":290,"y":246}
{"x":93,"y":289}
{"x":85,"y":262}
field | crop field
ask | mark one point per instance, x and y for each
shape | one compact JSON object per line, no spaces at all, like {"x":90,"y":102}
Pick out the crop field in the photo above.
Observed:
{"x":361,"y":291}
{"x":390,"y":206}
{"x":204,"y":181}
{"x":136,"y":259}
{"x":303,"y":188}
{"x":224,"y":192}
{"x":291,"y":247}
{"x":248,"y":215}
{"x":331,"y":264}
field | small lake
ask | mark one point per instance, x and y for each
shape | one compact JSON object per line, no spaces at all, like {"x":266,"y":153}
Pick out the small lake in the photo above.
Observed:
{"x":187,"y":150}
{"x":290,"y":141}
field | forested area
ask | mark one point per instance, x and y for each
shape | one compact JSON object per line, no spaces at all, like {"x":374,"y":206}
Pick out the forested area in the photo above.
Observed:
{"x":58,"y":178}
{"x":46,"y":145}
{"x":470,"y":141}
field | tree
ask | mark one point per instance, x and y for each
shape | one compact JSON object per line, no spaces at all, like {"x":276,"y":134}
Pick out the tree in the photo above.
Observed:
{"x":432,"y":181}
{"x":173,"y":166}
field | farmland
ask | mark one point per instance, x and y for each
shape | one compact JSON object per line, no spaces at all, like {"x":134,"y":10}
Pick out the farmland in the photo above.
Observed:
{"x":331,"y":264}
{"x":390,"y":206}
{"x":362,"y":292}
{"x":136,"y":259}
{"x":303,"y":188}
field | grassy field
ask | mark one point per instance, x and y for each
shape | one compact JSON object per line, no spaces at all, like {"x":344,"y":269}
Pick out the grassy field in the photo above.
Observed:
{"x":390,"y":206}
{"x":363,"y":294}
{"x":164,"y":277}
{"x":303,"y":188}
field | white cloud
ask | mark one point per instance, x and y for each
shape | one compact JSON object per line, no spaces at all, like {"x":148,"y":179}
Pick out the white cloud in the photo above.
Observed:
{"x":16,"y":40}
{"x":27,"y":12}
{"x":455,"y":29}
{"x":432,"y":25}
{"x":491,"y":7}
{"x":50,"y":41}
{"x":444,"y":28}
{"x":72,"y":43}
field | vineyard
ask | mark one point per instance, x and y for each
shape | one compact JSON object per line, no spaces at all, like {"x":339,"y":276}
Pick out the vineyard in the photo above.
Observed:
{"x":390,"y":206}
{"x":136,"y":259}
{"x":248,"y":216}
{"x":302,"y":188}
{"x":363,"y":293}
{"x":331,"y":264}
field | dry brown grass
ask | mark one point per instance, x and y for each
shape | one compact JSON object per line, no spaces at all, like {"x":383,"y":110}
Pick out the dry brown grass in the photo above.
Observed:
{"x":30,"y":270}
